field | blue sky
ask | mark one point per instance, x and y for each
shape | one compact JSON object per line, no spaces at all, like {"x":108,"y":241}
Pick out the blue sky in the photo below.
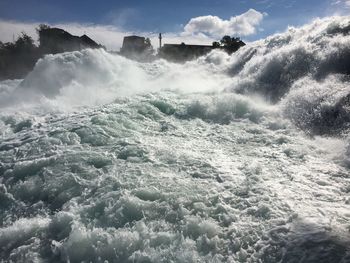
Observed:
{"x":169,"y":17}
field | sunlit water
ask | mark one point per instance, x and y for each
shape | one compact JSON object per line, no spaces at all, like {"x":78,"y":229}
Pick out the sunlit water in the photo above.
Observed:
{"x":224,"y":159}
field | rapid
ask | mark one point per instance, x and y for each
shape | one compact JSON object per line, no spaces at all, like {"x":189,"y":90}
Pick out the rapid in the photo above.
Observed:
{"x":227,"y":158}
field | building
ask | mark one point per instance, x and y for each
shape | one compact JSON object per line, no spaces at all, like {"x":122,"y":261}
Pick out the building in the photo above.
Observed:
{"x":56,"y":40}
{"x":135,"y":45}
{"x":183,"y":52}
{"x":140,"y":48}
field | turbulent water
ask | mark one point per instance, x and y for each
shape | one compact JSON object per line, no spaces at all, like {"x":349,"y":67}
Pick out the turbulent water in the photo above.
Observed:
{"x":241,"y":158}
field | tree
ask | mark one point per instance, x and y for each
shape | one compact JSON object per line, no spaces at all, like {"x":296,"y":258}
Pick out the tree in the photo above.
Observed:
{"x":41,"y":29}
{"x":231,"y":44}
{"x":18,"y":58}
{"x":226,"y":40}
{"x":229,"y":41}
{"x":148,"y":48}
{"x":24,"y":42}
{"x":216,"y":44}
{"x":148,"y":42}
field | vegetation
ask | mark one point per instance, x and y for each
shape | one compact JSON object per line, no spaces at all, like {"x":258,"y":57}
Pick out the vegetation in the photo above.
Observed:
{"x":148,"y":46}
{"x":230,"y":44}
{"x":18,"y":58}
{"x":40,"y":29}
{"x":216,"y":44}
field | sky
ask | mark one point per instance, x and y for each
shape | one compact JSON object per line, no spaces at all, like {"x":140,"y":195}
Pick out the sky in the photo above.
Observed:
{"x":189,"y":21}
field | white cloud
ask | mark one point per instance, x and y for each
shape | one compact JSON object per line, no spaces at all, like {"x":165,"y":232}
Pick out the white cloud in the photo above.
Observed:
{"x":107,"y":35}
{"x":199,"y":30}
{"x":12,"y":29}
{"x":335,"y":2}
{"x":346,"y":3}
{"x":241,"y":25}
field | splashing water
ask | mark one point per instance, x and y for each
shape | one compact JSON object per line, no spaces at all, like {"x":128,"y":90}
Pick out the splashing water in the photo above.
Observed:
{"x":241,"y":158}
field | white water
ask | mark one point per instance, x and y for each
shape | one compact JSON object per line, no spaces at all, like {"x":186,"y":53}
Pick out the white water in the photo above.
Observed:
{"x":241,"y":158}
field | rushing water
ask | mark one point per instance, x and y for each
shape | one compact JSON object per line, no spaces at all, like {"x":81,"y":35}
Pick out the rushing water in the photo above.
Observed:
{"x":241,"y":158}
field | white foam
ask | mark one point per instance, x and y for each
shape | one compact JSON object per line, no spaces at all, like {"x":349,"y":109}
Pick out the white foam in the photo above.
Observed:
{"x":170,"y":164}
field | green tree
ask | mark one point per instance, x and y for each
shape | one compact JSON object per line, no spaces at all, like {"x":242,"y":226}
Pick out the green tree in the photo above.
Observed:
{"x":216,"y":44}
{"x":148,"y":48}
{"x":148,"y":42}
{"x":18,"y":58}
{"x":226,"y":40}
{"x":231,"y":44}
{"x":24,"y":42}
{"x":41,"y":28}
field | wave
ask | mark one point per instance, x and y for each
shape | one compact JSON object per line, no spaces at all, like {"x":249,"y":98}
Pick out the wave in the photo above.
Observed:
{"x":271,"y":66}
{"x":95,"y":77}
{"x":199,"y":162}
{"x":319,"y":107}
{"x":304,"y":71}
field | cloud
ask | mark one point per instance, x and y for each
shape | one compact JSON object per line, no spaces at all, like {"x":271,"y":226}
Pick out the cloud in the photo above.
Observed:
{"x":241,"y":25}
{"x":199,"y":30}
{"x":107,"y":35}
{"x":10,"y":30}
{"x":336,"y":2}
{"x":346,"y":3}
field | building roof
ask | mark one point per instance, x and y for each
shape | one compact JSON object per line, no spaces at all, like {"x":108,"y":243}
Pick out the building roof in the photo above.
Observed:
{"x":186,"y":45}
{"x":133,"y":37}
